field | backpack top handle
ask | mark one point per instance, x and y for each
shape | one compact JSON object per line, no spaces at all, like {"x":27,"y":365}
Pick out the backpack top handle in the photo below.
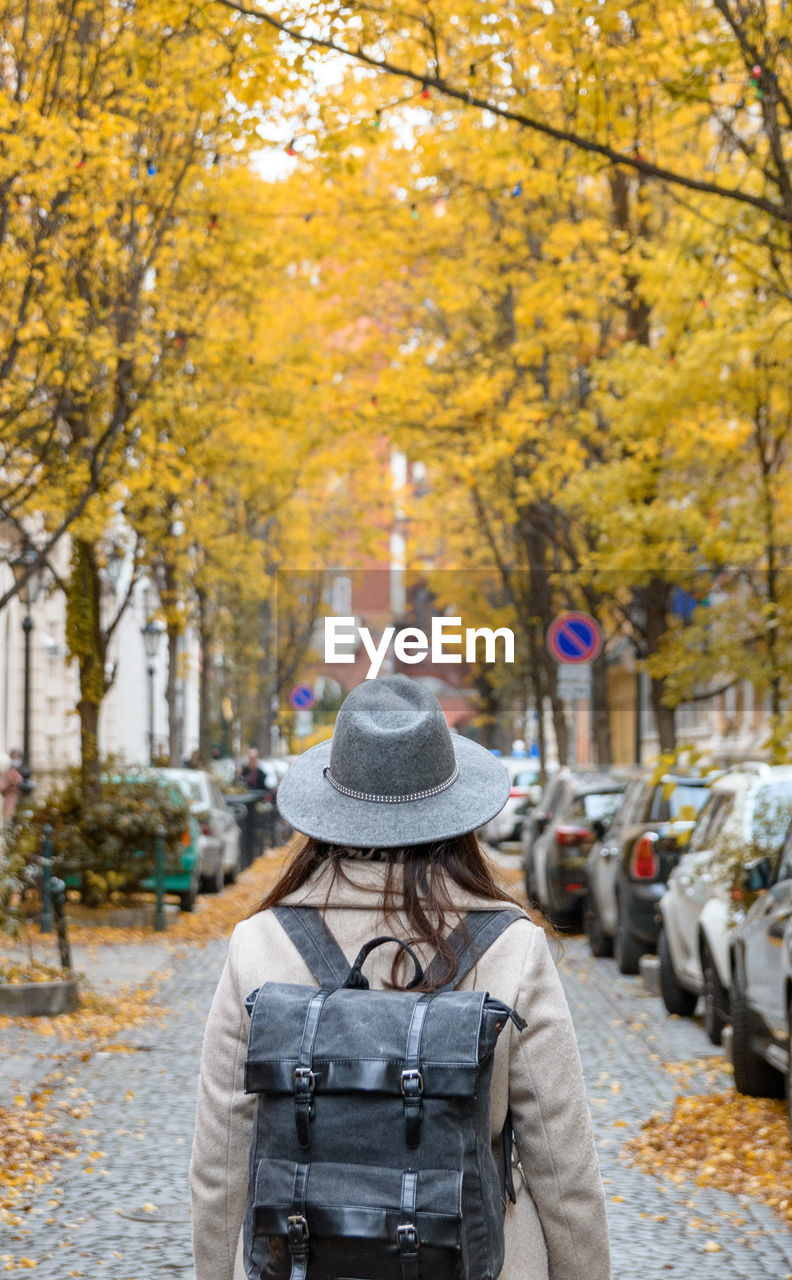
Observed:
{"x":358,"y":979}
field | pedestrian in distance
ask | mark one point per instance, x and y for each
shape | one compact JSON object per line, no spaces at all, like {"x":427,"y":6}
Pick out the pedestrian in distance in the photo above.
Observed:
{"x":10,"y":783}
{"x":347,"y":1158}
{"x":252,"y":774}
{"x":255,"y":779}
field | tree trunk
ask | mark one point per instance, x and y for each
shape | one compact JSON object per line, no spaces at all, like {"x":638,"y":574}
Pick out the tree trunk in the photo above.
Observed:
{"x":665,"y":718}
{"x":267,"y":680}
{"x":600,"y":711}
{"x":488,"y":708}
{"x":90,"y":772}
{"x":174,"y":621}
{"x":204,"y":704}
{"x":88,"y":646}
{"x":657,"y":594}
{"x":175,"y":744}
{"x":561,"y":726}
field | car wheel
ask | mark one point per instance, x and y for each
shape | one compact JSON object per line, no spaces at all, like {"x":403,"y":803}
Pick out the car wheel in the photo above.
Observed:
{"x":600,"y":942}
{"x":752,"y":1075}
{"x":716,"y":997}
{"x":213,"y":883}
{"x":218,"y":880}
{"x":188,"y":899}
{"x":675,"y":998}
{"x":530,"y":883}
{"x":626,"y":947}
{"x":789,"y":1070}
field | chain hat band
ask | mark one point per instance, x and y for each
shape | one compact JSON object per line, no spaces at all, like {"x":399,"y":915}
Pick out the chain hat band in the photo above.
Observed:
{"x":416,"y":795}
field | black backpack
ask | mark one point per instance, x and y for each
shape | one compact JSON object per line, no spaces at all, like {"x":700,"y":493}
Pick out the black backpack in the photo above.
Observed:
{"x":371,"y":1156}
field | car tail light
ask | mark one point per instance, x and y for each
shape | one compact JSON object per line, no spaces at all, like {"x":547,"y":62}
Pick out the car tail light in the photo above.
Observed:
{"x":186,"y":837}
{"x":643,"y":864}
{"x":517,"y":792}
{"x":206,"y":829}
{"x":566,"y":836}
{"x":573,"y":887}
{"x":737,"y":894}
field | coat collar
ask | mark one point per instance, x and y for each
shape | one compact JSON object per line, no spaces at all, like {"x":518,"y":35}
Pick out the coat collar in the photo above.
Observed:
{"x":361,"y":887}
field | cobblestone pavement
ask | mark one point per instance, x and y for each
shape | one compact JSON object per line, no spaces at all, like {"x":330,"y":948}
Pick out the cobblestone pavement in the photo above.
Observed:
{"x":128,"y":1219}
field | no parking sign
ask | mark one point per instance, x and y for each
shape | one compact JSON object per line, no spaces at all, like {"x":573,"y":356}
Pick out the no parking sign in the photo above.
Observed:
{"x":574,"y":637}
{"x":302,"y":697}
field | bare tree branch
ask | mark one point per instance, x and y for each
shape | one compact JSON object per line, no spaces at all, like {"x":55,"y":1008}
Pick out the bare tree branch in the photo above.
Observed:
{"x":429,"y":80}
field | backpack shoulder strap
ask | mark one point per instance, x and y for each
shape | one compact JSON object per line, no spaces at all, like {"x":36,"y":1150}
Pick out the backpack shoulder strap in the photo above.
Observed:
{"x":314,"y":941}
{"x":471,"y":938}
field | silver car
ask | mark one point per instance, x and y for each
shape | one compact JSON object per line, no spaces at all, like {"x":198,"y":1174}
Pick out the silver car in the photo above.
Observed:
{"x":219,"y":840}
{"x":761,"y":963}
{"x":745,"y":817}
{"x":576,"y":809}
{"x":524,"y":792}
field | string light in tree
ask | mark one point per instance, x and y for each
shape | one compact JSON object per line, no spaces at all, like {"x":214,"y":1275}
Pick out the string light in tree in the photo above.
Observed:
{"x":756,"y":77}
{"x":151,"y":168}
{"x":425,"y":92}
{"x":517,"y":191}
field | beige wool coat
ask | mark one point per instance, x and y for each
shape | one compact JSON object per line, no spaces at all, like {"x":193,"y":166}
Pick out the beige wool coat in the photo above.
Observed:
{"x":557,"y":1229}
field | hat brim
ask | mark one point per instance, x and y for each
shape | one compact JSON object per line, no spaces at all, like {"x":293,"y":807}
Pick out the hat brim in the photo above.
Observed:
{"x":313,"y":806}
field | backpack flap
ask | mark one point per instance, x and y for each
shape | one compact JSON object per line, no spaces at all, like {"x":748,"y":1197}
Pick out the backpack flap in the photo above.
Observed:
{"x":357,"y":1220}
{"x":361,"y":1038}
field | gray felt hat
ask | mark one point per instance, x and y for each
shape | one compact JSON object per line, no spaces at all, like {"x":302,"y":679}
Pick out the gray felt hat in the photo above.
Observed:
{"x":393,"y":773}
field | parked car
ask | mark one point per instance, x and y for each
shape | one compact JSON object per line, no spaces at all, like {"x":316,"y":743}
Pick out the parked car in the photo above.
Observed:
{"x":748,"y":811}
{"x":761,"y":975}
{"x":628,"y":869}
{"x":575,"y":809}
{"x":524,"y":792}
{"x":184,"y":878}
{"x":219,"y":836}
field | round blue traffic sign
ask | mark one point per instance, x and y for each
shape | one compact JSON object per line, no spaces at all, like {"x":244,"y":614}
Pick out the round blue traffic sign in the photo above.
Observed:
{"x":302,"y":697}
{"x":574,"y":637}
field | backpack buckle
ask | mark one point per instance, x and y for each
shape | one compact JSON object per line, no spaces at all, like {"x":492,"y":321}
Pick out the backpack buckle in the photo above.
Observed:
{"x":304,"y":1080}
{"x":412,"y":1085}
{"x":297,"y":1229}
{"x":407,"y":1238}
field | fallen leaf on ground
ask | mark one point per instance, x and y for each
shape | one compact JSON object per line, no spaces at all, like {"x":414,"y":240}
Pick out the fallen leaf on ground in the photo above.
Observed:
{"x":723,"y":1140}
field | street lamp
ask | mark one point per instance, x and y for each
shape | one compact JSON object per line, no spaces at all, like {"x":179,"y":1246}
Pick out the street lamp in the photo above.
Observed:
{"x":152,"y":633}
{"x":114,"y":567}
{"x":28,"y":575}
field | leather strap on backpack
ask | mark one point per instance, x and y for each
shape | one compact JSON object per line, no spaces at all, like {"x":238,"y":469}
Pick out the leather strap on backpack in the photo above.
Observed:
{"x":411,"y":1078}
{"x":315,"y":943}
{"x":304,"y":1079}
{"x":407,"y":1238}
{"x":470,"y":939}
{"x":297,"y":1225}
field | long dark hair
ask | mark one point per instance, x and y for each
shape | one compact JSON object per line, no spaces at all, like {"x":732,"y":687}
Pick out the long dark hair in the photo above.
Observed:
{"x":424,"y":892}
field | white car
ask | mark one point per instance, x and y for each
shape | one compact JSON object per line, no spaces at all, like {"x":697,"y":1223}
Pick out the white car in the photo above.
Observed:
{"x":219,"y":841}
{"x":747,"y":814}
{"x":524,"y":792}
